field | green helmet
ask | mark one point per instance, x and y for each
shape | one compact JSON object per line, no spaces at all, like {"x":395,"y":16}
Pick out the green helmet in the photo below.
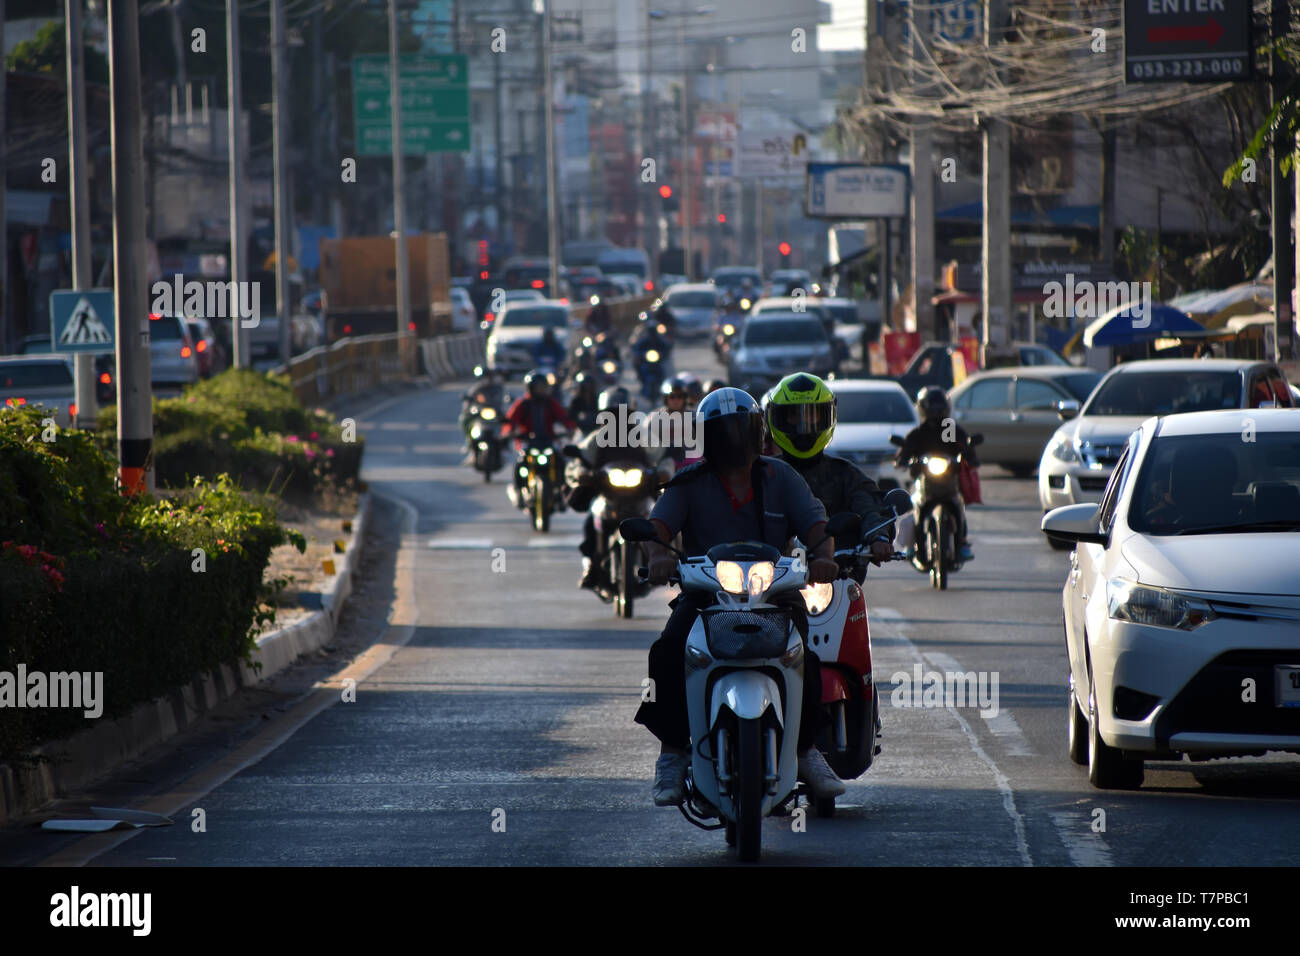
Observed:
{"x":801,"y":415}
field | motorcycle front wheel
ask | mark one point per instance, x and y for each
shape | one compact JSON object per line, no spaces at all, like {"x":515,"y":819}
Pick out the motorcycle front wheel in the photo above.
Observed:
{"x":749,"y":790}
{"x":542,"y":505}
{"x":624,"y":564}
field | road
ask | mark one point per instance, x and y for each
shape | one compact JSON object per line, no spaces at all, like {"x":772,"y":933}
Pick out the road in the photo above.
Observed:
{"x":492,"y":723}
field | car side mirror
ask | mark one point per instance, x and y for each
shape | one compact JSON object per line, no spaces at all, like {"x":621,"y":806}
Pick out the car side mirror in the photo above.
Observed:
{"x":1067,"y":409}
{"x":1075,"y":523}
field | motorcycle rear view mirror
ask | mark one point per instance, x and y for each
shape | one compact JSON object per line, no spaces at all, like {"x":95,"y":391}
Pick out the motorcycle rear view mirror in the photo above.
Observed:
{"x":896,"y":440}
{"x":638,"y":529}
{"x":899,"y":501}
{"x":571,"y":451}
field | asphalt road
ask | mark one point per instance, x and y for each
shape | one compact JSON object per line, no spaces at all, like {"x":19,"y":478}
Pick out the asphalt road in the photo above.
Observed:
{"x":492,"y":722}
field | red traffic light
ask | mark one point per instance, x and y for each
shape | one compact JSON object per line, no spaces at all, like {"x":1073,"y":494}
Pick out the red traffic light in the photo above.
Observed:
{"x":784,"y":248}
{"x":722,"y":217}
{"x":666,"y":191}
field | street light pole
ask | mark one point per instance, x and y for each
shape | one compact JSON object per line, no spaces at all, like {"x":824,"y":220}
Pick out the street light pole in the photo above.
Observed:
{"x":235,"y":135}
{"x":552,"y":191}
{"x":399,"y":183}
{"x":79,"y":198}
{"x":279,"y":112}
{"x":687,"y":244}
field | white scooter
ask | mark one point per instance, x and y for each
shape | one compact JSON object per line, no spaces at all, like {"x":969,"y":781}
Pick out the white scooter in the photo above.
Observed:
{"x":744,"y":683}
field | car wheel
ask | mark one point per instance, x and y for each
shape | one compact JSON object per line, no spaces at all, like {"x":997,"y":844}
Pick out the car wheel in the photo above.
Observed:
{"x":1108,"y":769}
{"x":1078,"y":729}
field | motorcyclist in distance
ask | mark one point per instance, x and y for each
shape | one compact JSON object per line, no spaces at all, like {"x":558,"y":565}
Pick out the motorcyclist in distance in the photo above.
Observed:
{"x":666,"y":426}
{"x":487,"y":390}
{"x":581,"y":472}
{"x":584,"y":401}
{"x":734,"y":494}
{"x":598,"y":318}
{"x":801,"y":414}
{"x":533,"y":417}
{"x":549,"y":353}
{"x":939,"y":434}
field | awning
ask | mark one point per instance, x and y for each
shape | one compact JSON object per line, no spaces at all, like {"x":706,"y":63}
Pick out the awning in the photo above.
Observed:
{"x":1120,"y":326}
{"x":1080,"y":216}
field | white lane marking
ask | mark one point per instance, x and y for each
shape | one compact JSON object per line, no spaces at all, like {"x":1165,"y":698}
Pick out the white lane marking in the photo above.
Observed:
{"x":1003,"y":726}
{"x":460,"y":544}
{"x":556,"y":541}
{"x":1085,"y":846}
{"x":995,"y":538}
{"x":1003,"y":784}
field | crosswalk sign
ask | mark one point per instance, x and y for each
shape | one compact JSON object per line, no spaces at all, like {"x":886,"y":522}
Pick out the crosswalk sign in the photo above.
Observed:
{"x":82,"y":321}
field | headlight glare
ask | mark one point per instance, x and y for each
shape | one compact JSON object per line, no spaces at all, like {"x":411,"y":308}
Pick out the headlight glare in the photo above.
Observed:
{"x":936,"y":466}
{"x":760,"y":578}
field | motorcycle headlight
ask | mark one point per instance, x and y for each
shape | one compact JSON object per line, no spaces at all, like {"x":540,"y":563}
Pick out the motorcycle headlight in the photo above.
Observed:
{"x":523,"y":471}
{"x":1063,"y":449}
{"x":487,"y":414}
{"x":936,"y":466}
{"x":760,"y":578}
{"x":652,"y":356}
{"x":625,"y":479}
{"x":817,"y":597}
{"x":728,"y":329}
{"x":1129,"y":601}
{"x":542,"y":459}
{"x":609,"y":367}
{"x":730,"y":577}
{"x":745,"y":303}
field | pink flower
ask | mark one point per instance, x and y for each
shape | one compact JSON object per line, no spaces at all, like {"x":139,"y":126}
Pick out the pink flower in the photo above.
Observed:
{"x":290,"y":437}
{"x":310,"y":453}
{"x":314,"y":435}
{"x":28,"y":551}
{"x":329,"y":452}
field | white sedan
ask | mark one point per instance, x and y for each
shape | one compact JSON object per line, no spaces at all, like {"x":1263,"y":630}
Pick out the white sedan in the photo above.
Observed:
{"x":1182,"y":608}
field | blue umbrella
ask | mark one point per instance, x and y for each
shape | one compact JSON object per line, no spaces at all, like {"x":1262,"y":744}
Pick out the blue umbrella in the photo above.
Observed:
{"x":1132,"y":323}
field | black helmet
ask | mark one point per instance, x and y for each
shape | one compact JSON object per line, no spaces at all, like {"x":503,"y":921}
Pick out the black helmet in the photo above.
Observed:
{"x":731,"y":423}
{"x":932,"y":404}
{"x":539,"y":383}
{"x":674,"y":386}
{"x":694,"y":387}
{"x":613,"y":397}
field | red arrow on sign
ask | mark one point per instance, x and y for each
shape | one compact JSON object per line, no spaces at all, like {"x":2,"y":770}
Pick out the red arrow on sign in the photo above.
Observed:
{"x":1209,"y":31}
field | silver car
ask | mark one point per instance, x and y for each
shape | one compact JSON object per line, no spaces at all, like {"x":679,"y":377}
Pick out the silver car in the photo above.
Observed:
{"x":45,"y":380}
{"x":1080,"y":456}
{"x":172,"y":359}
{"x":694,"y":307}
{"x":868,"y":413}
{"x":772,"y":345}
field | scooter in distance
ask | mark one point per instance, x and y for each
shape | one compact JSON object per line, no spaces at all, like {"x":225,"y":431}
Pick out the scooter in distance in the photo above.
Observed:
{"x":744,"y":683}
{"x":485,"y":439}
{"x":937,"y":513}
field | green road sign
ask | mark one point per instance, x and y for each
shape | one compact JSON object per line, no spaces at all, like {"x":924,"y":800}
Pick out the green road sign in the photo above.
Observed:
{"x":435,"y":104}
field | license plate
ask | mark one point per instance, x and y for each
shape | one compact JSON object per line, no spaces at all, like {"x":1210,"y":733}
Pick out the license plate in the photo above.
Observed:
{"x":1288,"y":685}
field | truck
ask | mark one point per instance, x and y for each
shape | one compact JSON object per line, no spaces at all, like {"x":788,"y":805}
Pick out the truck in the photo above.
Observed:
{"x":359,"y":285}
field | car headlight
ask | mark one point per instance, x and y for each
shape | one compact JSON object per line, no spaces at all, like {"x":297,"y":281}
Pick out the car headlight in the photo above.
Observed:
{"x":936,"y":466}
{"x":1063,"y":449}
{"x":1139,"y":604}
{"x":730,"y":577}
{"x":817,"y":597}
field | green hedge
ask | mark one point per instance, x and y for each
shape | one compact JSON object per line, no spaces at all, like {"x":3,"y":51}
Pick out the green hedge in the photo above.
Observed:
{"x":91,"y":581}
{"x":247,"y":424}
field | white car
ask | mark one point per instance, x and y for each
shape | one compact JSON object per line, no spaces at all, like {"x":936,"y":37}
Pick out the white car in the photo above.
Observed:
{"x":1078,"y":459}
{"x":45,"y":380}
{"x":463,"y":314}
{"x":518,"y":330}
{"x":1182,"y":608}
{"x":868,"y":412}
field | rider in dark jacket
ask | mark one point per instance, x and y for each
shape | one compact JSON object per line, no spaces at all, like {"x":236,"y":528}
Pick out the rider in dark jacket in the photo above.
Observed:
{"x":801,"y":412}
{"x":939,"y":434}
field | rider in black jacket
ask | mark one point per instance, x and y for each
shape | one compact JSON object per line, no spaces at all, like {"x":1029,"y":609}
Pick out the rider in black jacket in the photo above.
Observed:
{"x":939,"y":434}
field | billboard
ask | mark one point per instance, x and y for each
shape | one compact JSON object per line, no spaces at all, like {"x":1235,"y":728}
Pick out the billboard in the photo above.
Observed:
{"x":776,"y":153}
{"x":855,"y":191}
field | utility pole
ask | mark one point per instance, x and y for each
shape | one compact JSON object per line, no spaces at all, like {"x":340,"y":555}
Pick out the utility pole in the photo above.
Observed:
{"x":79,"y":200}
{"x":995,"y":279}
{"x":1282,"y":214}
{"x":688,"y":245}
{"x":235,"y":145}
{"x":922,"y":148}
{"x":5,"y":325}
{"x":399,"y":181}
{"x":279,"y":133}
{"x":130,"y":253}
{"x":552,"y":190}
{"x":498,"y":160}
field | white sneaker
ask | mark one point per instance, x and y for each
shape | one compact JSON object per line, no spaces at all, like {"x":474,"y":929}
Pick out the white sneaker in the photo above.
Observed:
{"x":816,"y":772}
{"x":670,"y":779}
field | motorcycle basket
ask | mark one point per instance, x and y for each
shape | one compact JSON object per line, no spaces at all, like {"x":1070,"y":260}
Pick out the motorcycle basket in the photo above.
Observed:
{"x":742,"y":633}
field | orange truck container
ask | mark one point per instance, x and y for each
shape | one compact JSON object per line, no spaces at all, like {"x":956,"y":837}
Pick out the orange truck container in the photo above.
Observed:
{"x":359,"y":285}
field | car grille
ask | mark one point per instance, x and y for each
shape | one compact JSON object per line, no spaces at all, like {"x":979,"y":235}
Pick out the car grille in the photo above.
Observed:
{"x":1089,"y":483}
{"x":1105,"y":455}
{"x":1211,"y":703}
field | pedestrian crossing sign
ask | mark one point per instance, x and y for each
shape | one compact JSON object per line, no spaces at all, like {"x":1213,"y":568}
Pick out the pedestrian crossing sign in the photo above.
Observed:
{"x":82,"y":321}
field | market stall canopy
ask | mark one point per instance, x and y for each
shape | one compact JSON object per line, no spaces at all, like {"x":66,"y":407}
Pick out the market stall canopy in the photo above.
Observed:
{"x":1118,"y":326}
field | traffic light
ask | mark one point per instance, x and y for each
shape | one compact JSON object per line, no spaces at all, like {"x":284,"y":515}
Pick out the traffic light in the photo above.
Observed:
{"x":784,"y":249}
{"x":670,"y":203}
{"x":666,"y":191}
{"x":722,"y":218}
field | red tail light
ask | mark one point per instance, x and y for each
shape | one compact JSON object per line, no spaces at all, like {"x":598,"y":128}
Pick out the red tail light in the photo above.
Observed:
{"x":154,"y":317}
{"x":538,"y":283}
{"x":186,"y":351}
{"x":15,"y":402}
{"x":649,"y":286}
{"x":564,"y":300}
{"x":202,"y":346}
{"x":72,"y":409}
{"x":410,"y":326}
{"x":347,"y":330}
{"x":105,"y":378}
{"x":489,"y":316}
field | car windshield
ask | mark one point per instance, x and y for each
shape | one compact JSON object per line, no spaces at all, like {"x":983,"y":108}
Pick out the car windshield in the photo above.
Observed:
{"x":1165,"y":393}
{"x":847,"y":314}
{"x":1080,"y":386}
{"x":538,"y":317}
{"x":22,"y":375}
{"x":692,"y":300}
{"x":1202,"y":484}
{"x":164,"y":328}
{"x":793,"y":331}
{"x":737,"y":278}
{"x":866,"y":408}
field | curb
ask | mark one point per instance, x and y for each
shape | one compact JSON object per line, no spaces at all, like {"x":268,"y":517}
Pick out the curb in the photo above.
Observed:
{"x":92,"y":753}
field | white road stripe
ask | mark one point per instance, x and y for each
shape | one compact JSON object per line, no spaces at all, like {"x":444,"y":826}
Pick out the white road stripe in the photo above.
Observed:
{"x":1086,"y":847}
{"x":897,"y":625}
{"x":556,"y":541}
{"x":1003,"y":726}
{"x":460,"y":544}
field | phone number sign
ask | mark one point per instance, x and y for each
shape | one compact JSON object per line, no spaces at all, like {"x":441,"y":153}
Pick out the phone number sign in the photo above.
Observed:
{"x":1186,"y":41}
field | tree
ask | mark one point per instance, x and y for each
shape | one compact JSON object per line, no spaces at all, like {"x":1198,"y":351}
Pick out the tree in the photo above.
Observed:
{"x":47,"y":53}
